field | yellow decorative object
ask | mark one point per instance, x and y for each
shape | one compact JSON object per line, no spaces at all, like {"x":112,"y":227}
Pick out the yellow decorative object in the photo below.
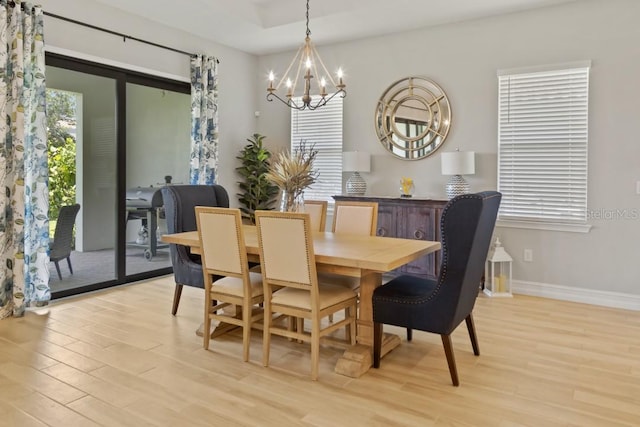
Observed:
{"x":406,"y":186}
{"x":502,"y":283}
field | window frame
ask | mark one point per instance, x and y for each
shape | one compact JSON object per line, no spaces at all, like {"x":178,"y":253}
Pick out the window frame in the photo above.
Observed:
{"x":325,"y":132}
{"x":533,"y":86}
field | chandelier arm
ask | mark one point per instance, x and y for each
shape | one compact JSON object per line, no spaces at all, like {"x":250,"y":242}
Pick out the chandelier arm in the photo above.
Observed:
{"x":292,"y":104}
{"x":288,"y":102}
{"x":323,"y":101}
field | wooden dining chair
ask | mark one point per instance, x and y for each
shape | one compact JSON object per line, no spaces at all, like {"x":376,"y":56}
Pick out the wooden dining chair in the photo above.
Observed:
{"x":317,"y":209}
{"x":224,"y":254}
{"x":288,"y":264}
{"x":355,"y":217}
{"x":351,"y":217}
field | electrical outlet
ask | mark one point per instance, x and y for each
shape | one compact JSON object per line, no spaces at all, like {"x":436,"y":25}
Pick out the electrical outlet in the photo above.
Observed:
{"x":528,"y":255}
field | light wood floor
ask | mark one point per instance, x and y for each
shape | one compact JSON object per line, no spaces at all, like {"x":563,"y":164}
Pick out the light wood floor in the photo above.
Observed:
{"x":118,"y":357}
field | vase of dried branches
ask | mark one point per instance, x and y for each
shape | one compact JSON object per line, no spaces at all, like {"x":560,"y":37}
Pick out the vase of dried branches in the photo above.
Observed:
{"x":291,"y":202}
{"x":293,"y":172}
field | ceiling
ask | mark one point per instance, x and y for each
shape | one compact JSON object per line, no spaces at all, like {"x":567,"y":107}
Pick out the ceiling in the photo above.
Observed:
{"x":267,"y":26}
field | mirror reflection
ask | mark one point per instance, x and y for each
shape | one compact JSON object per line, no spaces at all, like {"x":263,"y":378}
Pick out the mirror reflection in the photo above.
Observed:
{"x":413,"y":117}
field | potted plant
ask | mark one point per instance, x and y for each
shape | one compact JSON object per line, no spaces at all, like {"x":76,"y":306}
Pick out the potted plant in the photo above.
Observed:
{"x":257,"y":192}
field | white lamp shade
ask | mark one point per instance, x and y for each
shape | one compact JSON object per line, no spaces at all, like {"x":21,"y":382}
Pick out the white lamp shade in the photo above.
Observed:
{"x":356,"y":161}
{"x":458,"y":163}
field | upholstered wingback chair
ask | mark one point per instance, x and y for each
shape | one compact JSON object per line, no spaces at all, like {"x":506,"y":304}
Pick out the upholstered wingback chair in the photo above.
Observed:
{"x":439,"y":306}
{"x":179,"y":206}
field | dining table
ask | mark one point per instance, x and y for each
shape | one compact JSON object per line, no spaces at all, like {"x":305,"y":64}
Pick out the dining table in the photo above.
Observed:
{"x":366,"y":258}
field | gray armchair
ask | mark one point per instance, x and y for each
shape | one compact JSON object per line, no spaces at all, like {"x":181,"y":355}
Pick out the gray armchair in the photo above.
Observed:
{"x":179,"y":203}
{"x":439,"y":306}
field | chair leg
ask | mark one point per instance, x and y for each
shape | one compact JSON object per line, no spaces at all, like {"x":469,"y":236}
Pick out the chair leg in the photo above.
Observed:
{"x":246,"y":330}
{"x":206,"y":328}
{"x":69,"y":264}
{"x":291,"y":325}
{"x":58,"y":269}
{"x":315,"y":347}
{"x":300,"y":327}
{"x":176,"y":298}
{"x":409,"y":334}
{"x":266,"y":332}
{"x":451,"y":360}
{"x":472,"y":334}
{"x":377,"y":344}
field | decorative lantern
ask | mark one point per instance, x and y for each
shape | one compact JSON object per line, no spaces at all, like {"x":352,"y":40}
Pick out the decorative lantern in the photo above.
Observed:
{"x":497,"y":272}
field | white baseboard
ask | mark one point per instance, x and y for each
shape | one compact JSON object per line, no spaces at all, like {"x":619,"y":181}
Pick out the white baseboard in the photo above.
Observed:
{"x":567,"y":293}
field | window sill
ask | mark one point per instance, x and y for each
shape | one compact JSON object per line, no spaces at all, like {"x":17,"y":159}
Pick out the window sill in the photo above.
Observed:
{"x":548,"y":226}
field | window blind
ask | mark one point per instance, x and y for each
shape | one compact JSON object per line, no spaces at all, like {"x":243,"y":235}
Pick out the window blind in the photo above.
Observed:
{"x":542,"y":137}
{"x":322,"y":128}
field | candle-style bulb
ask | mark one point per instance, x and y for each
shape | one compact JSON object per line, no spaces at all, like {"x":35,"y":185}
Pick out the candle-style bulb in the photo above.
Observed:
{"x":308,"y":62}
{"x":289,"y":83}
{"x":271,"y":76}
{"x":339,"y":73}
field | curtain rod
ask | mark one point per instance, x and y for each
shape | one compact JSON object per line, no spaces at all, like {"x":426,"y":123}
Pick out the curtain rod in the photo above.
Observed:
{"x":124,"y":36}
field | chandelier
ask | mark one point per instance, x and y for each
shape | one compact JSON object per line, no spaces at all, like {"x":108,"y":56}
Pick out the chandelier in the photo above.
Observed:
{"x":308,"y":67}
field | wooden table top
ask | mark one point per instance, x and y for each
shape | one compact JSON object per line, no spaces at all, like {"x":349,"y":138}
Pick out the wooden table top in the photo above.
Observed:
{"x":346,"y":250}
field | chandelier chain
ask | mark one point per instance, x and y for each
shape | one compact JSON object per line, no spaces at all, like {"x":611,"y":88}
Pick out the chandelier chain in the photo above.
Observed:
{"x":308,"y":30}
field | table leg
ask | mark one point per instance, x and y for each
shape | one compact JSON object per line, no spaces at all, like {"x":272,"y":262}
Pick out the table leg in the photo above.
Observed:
{"x":357,"y":359}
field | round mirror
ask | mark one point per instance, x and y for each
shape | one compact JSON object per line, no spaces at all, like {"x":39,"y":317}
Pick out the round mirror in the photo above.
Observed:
{"x":413,"y":118}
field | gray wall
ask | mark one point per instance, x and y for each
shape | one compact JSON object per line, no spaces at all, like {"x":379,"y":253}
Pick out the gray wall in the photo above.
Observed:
{"x":158,"y":130}
{"x":463,"y":59}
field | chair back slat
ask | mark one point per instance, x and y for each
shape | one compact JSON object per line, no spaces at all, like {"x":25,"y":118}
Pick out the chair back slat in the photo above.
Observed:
{"x":221,"y":240}
{"x":317,"y":210}
{"x":355,"y":218}
{"x":286,"y":248}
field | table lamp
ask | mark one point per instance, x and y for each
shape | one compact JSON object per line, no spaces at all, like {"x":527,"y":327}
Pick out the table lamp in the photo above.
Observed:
{"x":458,"y":163}
{"x":356,"y":162}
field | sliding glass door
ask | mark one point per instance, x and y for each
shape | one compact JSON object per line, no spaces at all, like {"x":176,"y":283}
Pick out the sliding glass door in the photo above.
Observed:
{"x":115,"y":138}
{"x":82,"y":169}
{"x":158,"y":129}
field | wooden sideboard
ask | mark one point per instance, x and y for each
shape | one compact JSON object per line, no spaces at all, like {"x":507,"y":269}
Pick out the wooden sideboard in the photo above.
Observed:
{"x":409,"y":218}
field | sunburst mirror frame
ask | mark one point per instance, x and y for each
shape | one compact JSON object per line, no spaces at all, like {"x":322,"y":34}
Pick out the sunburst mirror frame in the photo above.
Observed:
{"x":413,"y":118}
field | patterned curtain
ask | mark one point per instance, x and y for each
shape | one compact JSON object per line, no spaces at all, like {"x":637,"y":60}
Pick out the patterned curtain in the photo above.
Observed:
{"x":204,"y":119}
{"x":24,"y":196}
